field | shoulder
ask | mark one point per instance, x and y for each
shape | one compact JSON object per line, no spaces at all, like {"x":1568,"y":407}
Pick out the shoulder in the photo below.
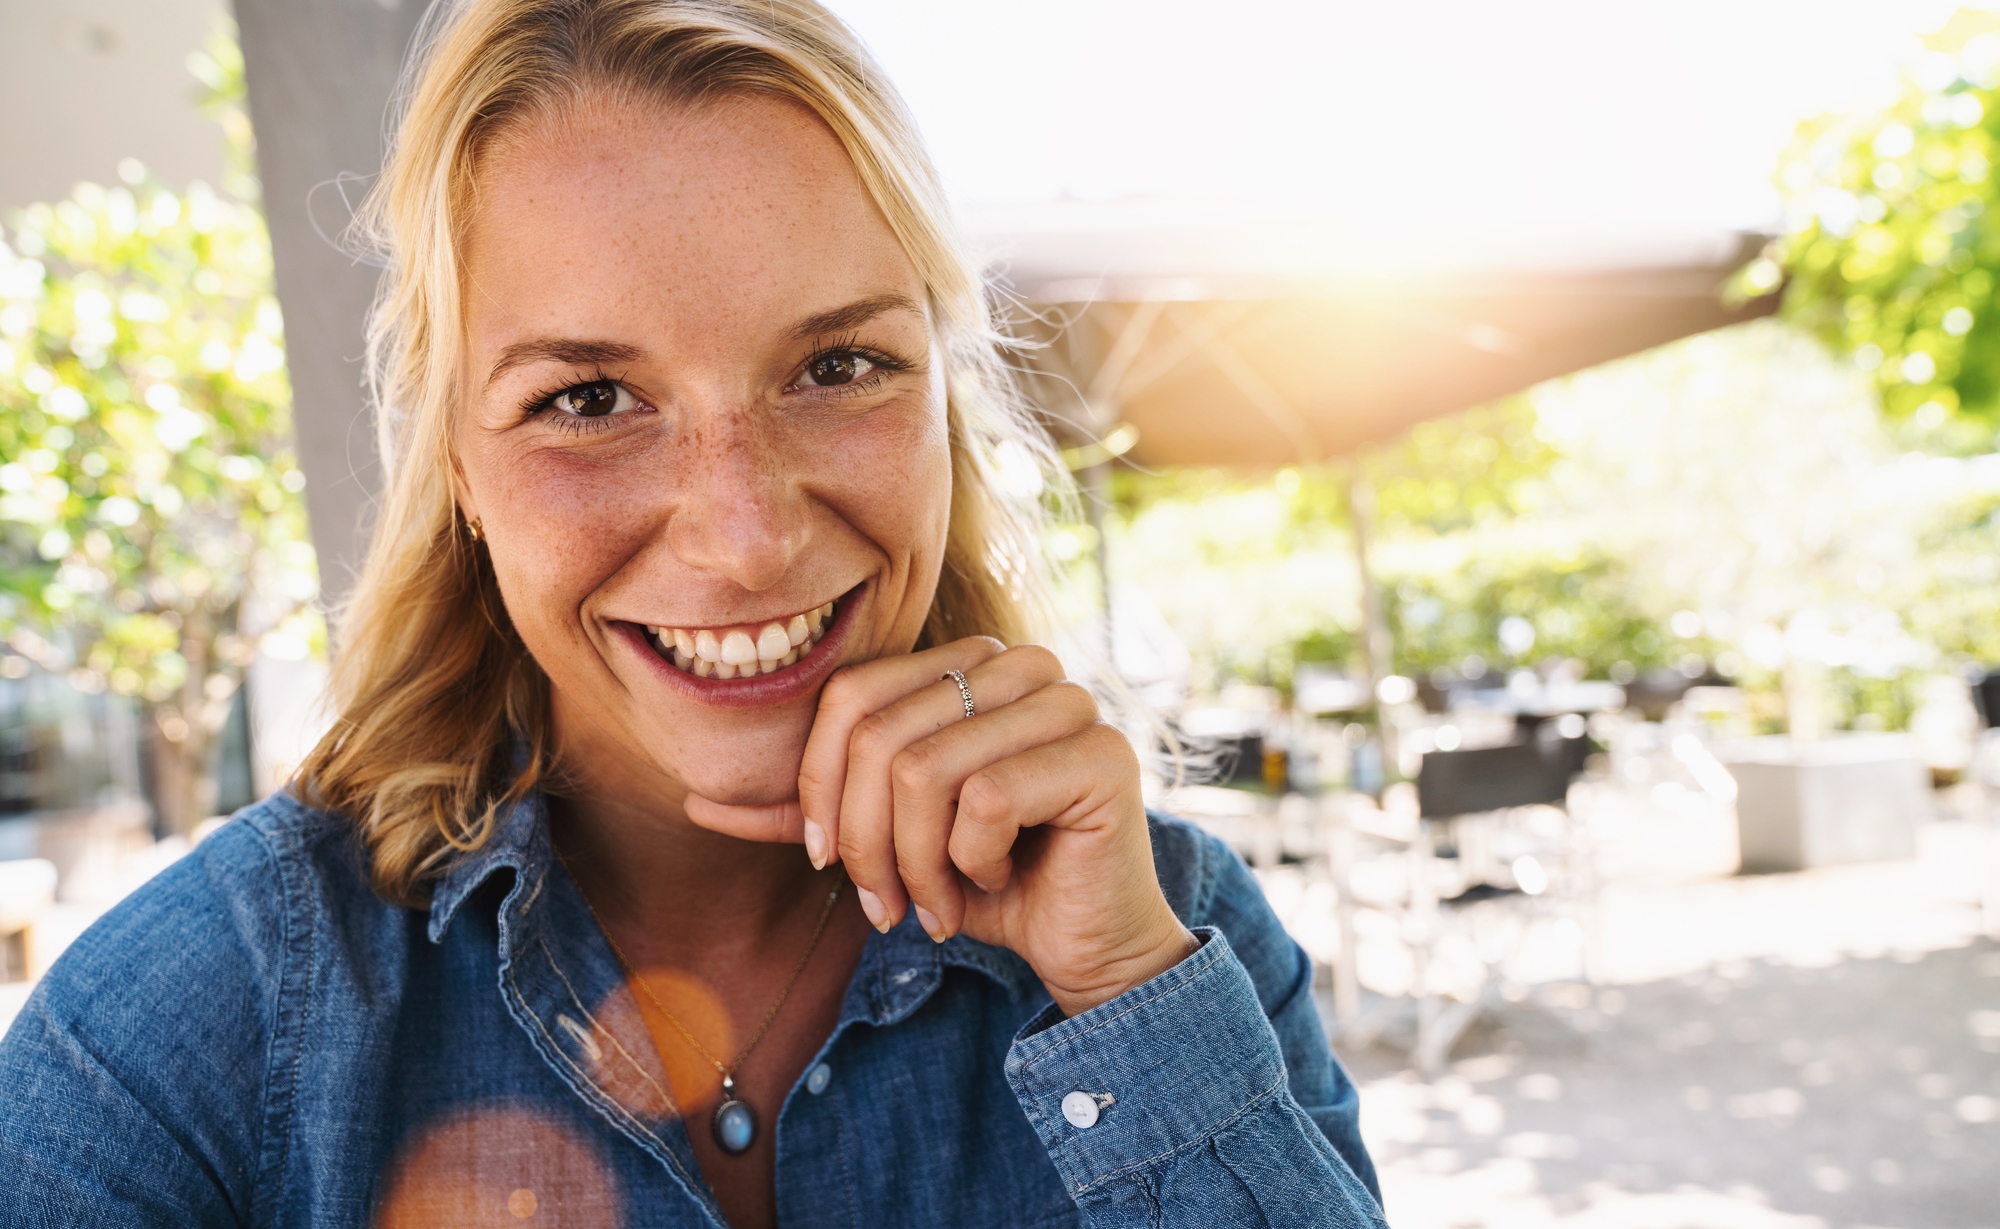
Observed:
{"x":1197,"y":870}
{"x":225,"y":910}
{"x":140,"y":1073}
{"x":1209,"y":885}
{"x":188,"y":975}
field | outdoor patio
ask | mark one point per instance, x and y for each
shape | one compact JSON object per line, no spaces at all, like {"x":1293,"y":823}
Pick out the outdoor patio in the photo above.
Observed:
{"x":1790,"y":1051}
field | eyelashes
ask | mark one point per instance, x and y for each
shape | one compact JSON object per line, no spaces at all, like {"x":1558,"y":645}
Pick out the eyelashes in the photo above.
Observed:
{"x":569,"y":405}
{"x":881,"y":367}
{"x":591,"y":394}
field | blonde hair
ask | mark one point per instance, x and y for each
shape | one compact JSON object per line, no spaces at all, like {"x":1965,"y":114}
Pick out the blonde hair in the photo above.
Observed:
{"x":442,"y":714}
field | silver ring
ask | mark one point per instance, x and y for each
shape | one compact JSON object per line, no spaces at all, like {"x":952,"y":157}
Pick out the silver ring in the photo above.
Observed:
{"x":965,"y":692}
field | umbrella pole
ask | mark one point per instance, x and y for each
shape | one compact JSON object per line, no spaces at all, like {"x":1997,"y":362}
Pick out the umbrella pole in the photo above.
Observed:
{"x":1374,"y":628}
{"x":1375,"y":635}
{"x":1097,"y":498}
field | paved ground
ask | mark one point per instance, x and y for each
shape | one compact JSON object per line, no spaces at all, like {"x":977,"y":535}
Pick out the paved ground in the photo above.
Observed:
{"x":1810,"y":1051}
{"x":1758,"y":1094}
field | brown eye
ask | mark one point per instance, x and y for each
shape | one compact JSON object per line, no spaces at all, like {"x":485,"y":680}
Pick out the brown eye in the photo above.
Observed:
{"x":840,"y":367}
{"x":593,"y":400}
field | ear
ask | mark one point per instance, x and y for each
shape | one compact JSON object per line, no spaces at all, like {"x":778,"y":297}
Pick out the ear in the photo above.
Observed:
{"x":461,"y":492}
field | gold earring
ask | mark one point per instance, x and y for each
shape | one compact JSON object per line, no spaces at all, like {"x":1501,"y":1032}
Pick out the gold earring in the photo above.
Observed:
{"x":477,"y":530}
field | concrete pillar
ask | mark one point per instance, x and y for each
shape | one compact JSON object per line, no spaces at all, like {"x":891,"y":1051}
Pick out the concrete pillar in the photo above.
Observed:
{"x":320,"y":74}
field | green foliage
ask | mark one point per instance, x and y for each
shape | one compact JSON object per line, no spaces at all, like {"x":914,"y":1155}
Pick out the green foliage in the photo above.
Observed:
{"x":1892,"y":248}
{"x":1859,"y":701}
{"x":1954,"y":608}
{"x":1450,"y":473}
{"x":150,"y":514}
{"x":145,"y":420}
{"x":1445,"y":474}
{"x":1334,"y":646}
{"x":1577,"y":608}
{"x":1273,"y":545}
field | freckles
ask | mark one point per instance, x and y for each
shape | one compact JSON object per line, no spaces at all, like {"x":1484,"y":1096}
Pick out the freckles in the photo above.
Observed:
{"x":561,"y":526}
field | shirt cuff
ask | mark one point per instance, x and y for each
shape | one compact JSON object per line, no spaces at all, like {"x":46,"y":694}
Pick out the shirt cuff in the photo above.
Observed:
{"x":1164,"y":1065}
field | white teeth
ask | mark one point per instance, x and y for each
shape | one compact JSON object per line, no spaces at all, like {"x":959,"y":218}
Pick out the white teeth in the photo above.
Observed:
{"x":738,"y":649}
{"x":772,"y":642}
{"x":743,"y":652}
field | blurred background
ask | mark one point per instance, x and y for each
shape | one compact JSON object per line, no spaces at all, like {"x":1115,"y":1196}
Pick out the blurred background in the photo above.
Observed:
{"x":1539,"y":485}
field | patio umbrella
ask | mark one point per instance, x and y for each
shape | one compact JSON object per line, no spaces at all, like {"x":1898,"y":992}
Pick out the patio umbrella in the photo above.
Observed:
{"x":1200,"y":333}
{"x":1238,"y":338}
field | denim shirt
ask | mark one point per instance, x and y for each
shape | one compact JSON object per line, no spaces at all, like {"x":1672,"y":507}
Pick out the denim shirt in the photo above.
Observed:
{"x":256,"y":1038}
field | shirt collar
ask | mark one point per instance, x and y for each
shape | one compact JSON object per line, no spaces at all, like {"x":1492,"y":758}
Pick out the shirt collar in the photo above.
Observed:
{"x":898,"y":970}
{"x":519,"y":842}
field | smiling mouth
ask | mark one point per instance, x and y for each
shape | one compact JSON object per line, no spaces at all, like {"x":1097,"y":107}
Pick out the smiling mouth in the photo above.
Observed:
{"x":744,"y":650}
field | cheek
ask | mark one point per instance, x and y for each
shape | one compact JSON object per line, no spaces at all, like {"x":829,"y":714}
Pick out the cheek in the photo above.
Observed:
{"x":894,"y":475}
{"x":557,"y":527}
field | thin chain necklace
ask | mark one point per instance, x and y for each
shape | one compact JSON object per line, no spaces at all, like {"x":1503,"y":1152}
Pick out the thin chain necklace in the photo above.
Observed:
{"x":734,"y":1123}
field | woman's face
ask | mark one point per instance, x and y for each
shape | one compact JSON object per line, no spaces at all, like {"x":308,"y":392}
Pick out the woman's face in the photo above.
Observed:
{"x":701,"y":393}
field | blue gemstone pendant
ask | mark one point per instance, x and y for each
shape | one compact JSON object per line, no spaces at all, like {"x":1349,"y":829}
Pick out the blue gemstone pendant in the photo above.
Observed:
{"x":735,"y":1124}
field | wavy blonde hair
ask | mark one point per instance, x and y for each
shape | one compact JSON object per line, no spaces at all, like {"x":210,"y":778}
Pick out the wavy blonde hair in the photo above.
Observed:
{"x":442,"y":714}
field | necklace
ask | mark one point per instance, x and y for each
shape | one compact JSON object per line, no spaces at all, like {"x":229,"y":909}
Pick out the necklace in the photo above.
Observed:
{"x":734,"y":1123}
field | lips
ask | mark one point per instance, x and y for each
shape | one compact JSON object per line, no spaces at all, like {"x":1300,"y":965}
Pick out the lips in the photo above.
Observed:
{"x":743,"y":650}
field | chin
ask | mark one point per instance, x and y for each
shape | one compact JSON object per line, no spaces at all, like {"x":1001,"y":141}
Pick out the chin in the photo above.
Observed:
{"x":720,"y":770}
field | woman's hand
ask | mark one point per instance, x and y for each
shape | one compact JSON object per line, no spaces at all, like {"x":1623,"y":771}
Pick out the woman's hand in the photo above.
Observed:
{"x":1021,"y":826}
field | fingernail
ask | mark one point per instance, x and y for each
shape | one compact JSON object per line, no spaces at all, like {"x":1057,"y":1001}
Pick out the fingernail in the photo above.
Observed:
{"x":816,"y":845}
{"x":871,"y":904}
{"x":930,"y":924}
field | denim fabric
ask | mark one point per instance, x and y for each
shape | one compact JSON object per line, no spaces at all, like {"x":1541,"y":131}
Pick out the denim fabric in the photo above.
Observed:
{"x":255,"y":1038}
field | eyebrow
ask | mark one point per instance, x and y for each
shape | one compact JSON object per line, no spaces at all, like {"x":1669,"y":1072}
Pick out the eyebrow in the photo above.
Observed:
{"x":576,"y":353}
{"x":860,"y":311}
{"x":585,"y":353}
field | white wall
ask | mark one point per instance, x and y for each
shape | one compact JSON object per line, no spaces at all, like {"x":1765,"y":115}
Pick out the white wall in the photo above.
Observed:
{"x":84,"y":83}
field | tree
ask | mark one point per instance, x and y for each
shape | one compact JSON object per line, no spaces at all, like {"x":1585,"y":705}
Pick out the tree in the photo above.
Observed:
{"x":151,"y":525}
{"x":1259,"y":576}
{"x":1892,"y":247}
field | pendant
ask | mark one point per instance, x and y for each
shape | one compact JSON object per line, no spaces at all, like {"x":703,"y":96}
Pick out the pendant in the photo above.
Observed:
{"x":735,"y":1125}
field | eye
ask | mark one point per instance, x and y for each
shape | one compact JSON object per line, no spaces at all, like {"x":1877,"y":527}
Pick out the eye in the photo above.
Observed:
{"x":594,"y":400}
{"x":838,"y":367}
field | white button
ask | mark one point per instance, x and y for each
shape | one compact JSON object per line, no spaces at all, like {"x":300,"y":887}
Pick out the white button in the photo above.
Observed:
{"x":1081,"y":1109}
{"x":818,"y":1078}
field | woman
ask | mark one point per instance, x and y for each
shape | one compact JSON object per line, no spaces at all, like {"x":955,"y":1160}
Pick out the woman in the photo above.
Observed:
{"x":691,"y":556}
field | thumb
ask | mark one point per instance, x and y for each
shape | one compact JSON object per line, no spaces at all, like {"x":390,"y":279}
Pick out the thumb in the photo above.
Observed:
{"x":779,"y":823}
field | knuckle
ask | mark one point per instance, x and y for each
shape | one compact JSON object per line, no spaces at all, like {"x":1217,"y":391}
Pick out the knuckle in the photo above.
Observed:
{"x":917,"y":876}
{"x":1037,"y":661}
{"x":1074,"y":697}
{"x":917,"y":767}
{"x":985,"y":796}
{"x":856,"y":849}
{"x":1103,"y":738}
{"x":873,"y":738}
{"x":843,"y":692}
{"x":976,"y":858}
{"x":815,"y":779}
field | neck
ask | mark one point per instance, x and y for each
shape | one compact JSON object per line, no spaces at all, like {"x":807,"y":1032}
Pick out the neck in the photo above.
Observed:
{"x":640,"y":861}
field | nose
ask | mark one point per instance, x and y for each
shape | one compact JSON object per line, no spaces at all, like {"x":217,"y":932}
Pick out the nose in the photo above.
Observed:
{"x":743,"y":514}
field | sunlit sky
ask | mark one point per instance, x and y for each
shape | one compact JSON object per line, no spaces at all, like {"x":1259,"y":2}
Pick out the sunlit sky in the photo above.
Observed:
{"x":1628,"y":111}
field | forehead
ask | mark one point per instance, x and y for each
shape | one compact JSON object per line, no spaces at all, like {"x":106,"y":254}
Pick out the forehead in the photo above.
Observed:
{"x":743,"y":204}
